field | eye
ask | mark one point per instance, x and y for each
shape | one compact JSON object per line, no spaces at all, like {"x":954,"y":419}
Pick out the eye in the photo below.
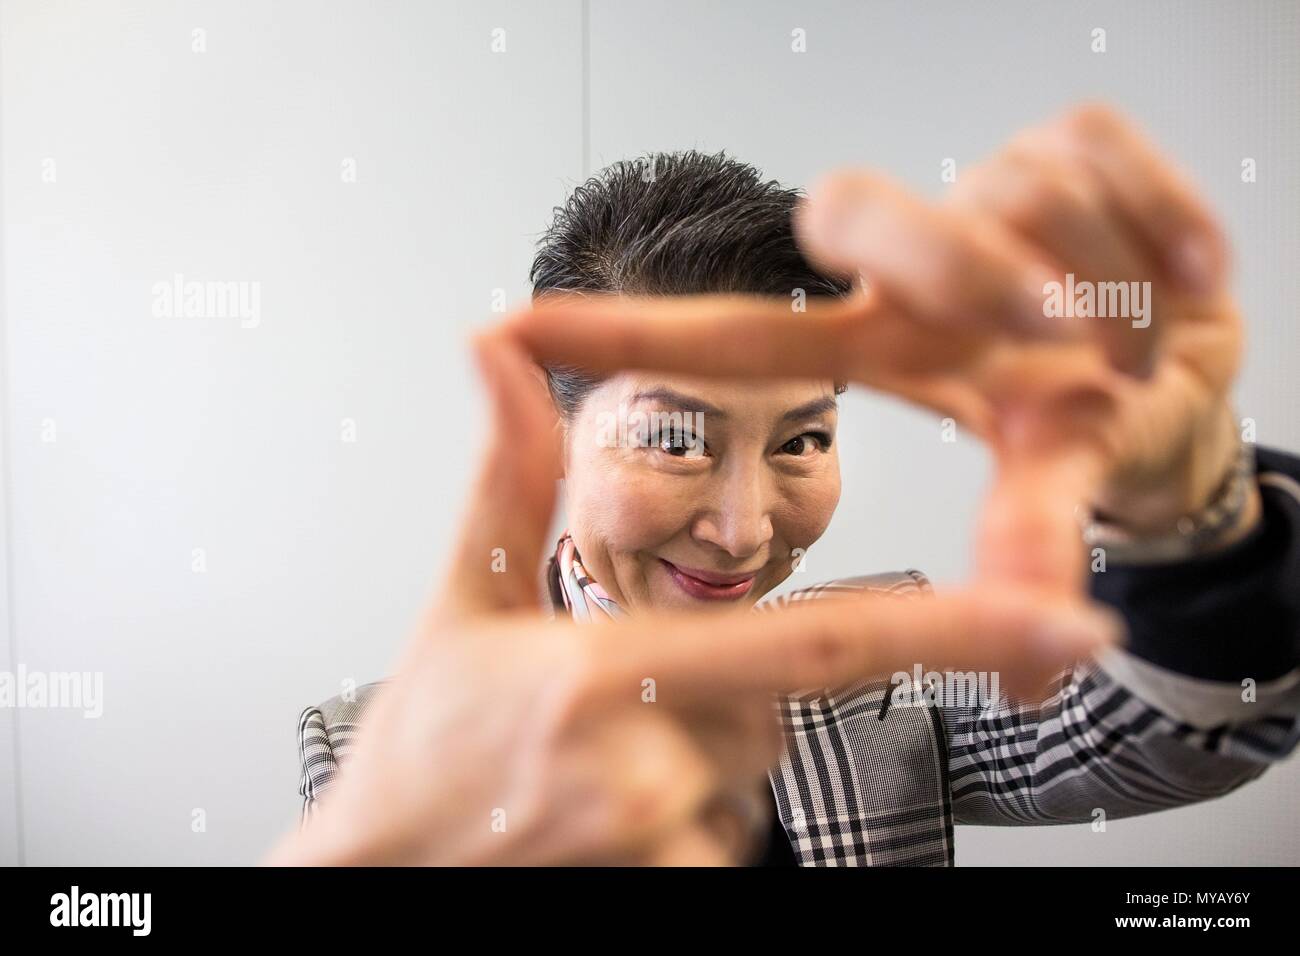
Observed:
{"x":802,"y":446}
{"x":681,"y":443}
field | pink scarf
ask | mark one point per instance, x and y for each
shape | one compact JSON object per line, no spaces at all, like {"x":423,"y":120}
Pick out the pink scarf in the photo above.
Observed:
{"x":583,"y":597}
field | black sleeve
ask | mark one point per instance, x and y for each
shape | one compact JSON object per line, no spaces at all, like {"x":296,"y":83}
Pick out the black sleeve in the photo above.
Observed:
{"x":1232,"y":613}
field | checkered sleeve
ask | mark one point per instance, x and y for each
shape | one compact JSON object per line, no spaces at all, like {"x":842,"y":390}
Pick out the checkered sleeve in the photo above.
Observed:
{"x":316,"y":761}
{"x":326,"y":734}
{"x":1096,"y":750}
{"x":1204,"y":697}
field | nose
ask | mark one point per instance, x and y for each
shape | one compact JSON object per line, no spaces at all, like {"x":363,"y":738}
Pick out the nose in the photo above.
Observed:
{"x":738,"y":517}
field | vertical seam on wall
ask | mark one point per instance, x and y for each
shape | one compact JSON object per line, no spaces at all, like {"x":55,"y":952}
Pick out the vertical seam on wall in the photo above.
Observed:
{"x":6,"y":492}
{"x":586,"y":88}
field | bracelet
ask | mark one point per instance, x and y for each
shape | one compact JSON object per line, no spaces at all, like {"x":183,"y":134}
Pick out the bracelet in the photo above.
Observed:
{"x":1193,"y":534}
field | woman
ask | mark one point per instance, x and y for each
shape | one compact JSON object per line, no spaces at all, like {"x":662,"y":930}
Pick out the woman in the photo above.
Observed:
{"x":686,"y":492}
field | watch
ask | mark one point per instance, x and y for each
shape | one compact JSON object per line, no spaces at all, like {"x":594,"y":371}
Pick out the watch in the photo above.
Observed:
{"x":1193,"y":534}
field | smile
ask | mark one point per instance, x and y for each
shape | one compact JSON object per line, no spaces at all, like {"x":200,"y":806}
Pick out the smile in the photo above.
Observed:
{"x":709,"y":585}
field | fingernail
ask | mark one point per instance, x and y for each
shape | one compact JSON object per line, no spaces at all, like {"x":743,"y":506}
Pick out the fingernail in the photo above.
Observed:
{"x":1193,"y":264}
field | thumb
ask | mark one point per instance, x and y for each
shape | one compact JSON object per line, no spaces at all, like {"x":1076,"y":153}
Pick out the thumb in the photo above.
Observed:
{"x":1029,"y":532}
{"x":504,"y":529}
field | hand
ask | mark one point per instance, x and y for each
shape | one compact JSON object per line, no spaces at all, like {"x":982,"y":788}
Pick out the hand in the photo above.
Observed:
{"x":1087,"y":195}
{"x":1117,"y":414}
{"x":508,"y":739}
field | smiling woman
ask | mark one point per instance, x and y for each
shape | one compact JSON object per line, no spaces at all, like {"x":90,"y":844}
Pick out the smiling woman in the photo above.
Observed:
{"x":701,"y":518}
{"x":719,"y":513}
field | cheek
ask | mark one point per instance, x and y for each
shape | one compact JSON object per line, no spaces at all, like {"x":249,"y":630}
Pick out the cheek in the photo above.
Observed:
{"x":806,"y":509}
{"x":626,"y":509}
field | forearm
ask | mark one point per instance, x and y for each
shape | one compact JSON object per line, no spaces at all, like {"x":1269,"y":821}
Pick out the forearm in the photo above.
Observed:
{"x":1229,"y":616}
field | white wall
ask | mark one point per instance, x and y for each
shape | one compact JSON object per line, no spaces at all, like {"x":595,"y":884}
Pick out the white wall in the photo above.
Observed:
{"x":9,"y":812}
{"x":177,"y":434}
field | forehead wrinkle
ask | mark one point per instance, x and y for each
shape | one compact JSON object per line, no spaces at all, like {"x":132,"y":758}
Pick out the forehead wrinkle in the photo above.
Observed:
{"x":670,"y":396}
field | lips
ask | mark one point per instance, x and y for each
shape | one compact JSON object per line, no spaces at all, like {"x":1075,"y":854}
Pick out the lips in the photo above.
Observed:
{"x":709,"y":585}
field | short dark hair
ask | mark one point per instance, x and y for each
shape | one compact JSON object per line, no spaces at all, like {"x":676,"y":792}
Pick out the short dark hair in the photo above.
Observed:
{"x":672,"y":224}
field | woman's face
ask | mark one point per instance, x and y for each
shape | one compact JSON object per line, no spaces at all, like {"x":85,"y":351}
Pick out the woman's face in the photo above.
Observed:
{"x":692,"y":493}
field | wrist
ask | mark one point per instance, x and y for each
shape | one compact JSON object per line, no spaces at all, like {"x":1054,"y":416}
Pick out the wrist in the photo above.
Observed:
{"x":315,"y":845}
{"x":1221,"y":517}
{"x":1157,"y":502}
{"x":337,"y":833}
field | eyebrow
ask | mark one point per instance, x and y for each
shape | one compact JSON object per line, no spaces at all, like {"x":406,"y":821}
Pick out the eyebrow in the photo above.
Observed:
{"x":688,"y":403}
{"x":818,"y":406}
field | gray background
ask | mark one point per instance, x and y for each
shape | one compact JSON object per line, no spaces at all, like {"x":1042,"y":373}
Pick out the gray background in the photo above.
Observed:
{"x":176,"y":434}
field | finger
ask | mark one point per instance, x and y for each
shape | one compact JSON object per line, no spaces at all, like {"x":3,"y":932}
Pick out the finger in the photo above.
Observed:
{"x":727,"y":832}
{"x":940,"y":265}
{"x":855,"y":340}
{"x":1157,"y":199}
{"x":812,"y":644}
{"x":738,"y":336}
{"x":951,"y":395}
{"x":1055,"y":410}
{"x":633,"y":780}
{"x":1029,"y":532}
{"x":739,"y":819}
{"x":739,"y":735}
{"x":1041,"y":373}
{"x":1059,"y":206}
{"x":698,"y":334}
{"x":695,"y":845}
{"x":503,"y":534}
